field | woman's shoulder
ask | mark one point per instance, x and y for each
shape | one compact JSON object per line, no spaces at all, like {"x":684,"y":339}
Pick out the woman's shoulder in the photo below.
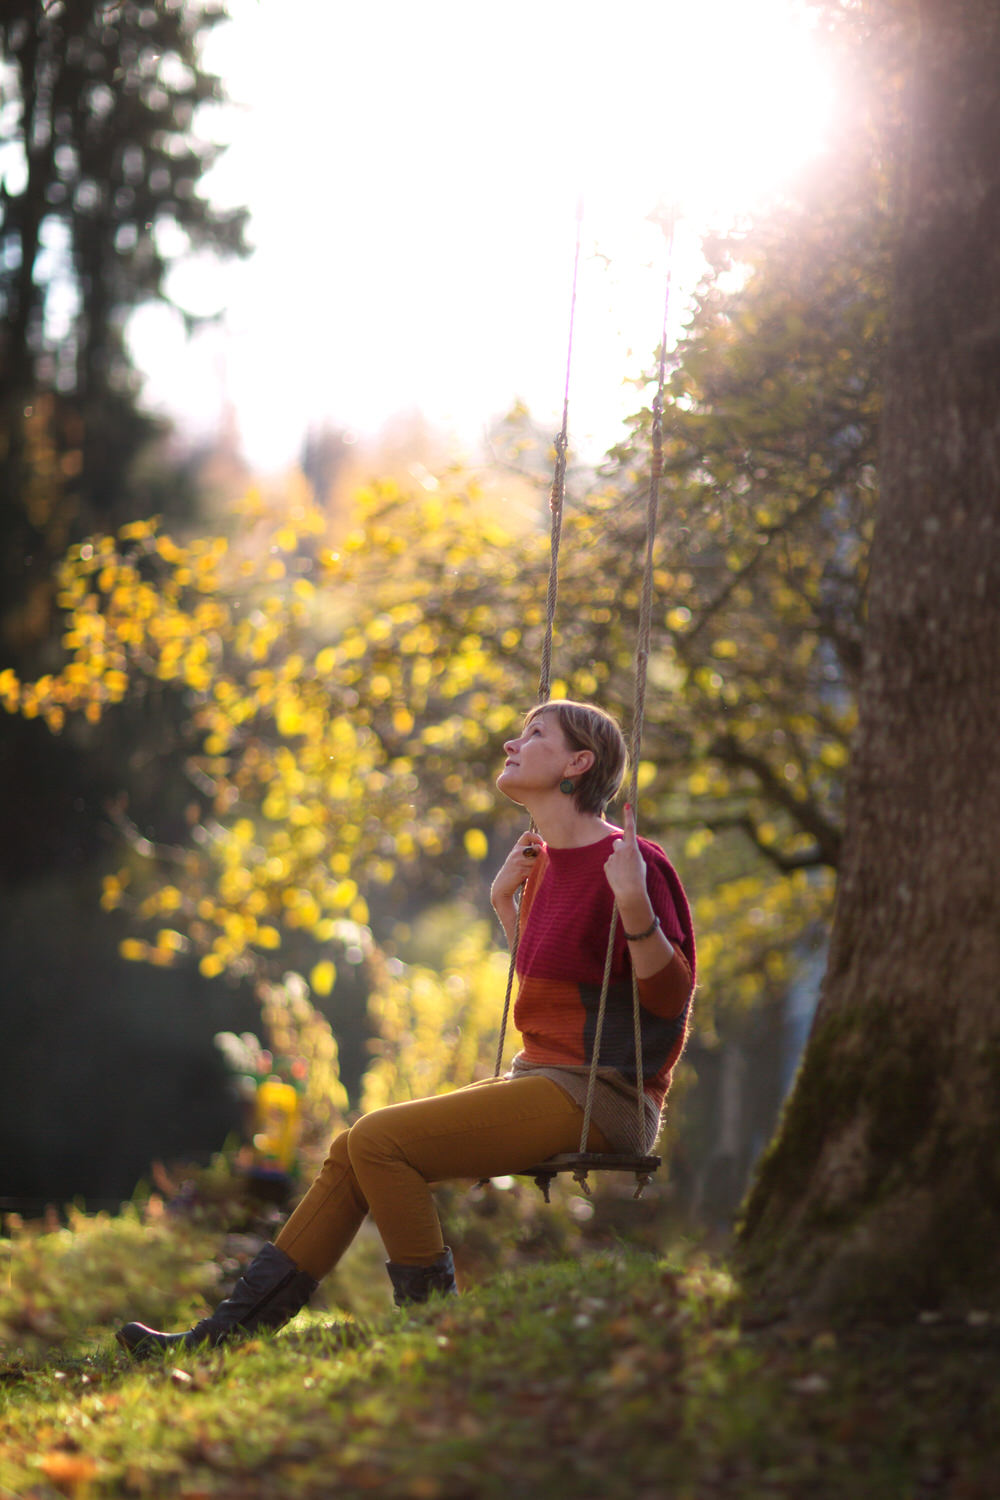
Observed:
{"x":653,"y":850}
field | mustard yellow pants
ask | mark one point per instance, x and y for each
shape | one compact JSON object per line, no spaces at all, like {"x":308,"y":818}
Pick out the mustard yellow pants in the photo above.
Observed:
{"x":385,"y":1165}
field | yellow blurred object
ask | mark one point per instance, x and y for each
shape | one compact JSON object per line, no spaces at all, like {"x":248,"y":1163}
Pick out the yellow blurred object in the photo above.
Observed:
{"x":277,"y":1121}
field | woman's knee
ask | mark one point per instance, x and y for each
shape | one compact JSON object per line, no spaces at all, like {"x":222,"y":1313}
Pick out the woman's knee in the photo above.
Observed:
{"x":338,"y":1154}
{"x":371,"y":1140}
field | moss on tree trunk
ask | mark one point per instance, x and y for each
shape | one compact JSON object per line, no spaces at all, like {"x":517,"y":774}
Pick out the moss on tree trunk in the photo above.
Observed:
{"x":881,"y":1191}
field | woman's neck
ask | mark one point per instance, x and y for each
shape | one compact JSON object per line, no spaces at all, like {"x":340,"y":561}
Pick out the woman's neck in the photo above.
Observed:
{"x":563,"y":826}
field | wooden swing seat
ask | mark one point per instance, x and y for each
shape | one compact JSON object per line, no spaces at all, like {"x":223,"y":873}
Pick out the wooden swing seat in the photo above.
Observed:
{"x":580,"y":1163}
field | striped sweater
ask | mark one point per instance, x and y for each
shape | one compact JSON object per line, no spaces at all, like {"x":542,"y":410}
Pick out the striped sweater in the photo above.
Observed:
{"x":565,"y":920}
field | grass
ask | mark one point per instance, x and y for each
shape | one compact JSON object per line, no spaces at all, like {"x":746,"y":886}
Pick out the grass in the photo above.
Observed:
{"x":615,"y":1373}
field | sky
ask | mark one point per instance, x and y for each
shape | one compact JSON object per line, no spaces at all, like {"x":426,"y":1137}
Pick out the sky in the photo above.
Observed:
{"x":414,"y":171}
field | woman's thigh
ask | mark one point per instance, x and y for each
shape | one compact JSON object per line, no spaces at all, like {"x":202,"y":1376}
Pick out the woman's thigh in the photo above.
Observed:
{"x":485,"y":1130}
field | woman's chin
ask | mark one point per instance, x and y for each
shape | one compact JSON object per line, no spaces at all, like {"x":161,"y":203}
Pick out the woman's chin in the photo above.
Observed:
{"x":511,"y":792}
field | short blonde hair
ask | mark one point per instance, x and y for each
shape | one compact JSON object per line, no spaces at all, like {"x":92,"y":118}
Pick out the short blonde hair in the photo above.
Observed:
{"x":586,"y":727}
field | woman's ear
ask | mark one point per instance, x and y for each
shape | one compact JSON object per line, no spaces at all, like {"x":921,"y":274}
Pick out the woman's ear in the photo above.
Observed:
{"x":581,"y":763}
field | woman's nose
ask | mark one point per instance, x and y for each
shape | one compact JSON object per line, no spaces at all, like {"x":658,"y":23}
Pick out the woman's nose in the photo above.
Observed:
{"x":509,"y":747}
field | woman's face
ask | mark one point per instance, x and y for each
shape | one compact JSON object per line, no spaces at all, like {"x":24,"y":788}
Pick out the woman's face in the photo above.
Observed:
{"x":538,"y":759}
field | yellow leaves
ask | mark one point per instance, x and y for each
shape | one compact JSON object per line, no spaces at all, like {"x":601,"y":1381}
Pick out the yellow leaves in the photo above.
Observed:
{"x":310,"y":785}
{"x":301,"y":908}
{"x":698,"y":842}
{"x":423,"y":672}
{"x":135,"y":531}
{"x":344,"y":894}
{"x":235,"y":883}
{"x":322,"y":977}
{"x":289,"y":718}
{"x":708,"y":682}
{"x":10,"y":690}
{"x":197,"y":671}
{"x":171,"y":941}
{"x":169,"y":550}
{"x":133,"y":949}
{"x":417,"y":641}
{"x":379,"y":629}
{"x":352,"y":646}
{"x":476,"y":844}
{"x":168,"y":666}
{"x":112,"y":892}
{"x":436,"y":1027}
{"x":646,"y":774}
{"x":442,"y":734}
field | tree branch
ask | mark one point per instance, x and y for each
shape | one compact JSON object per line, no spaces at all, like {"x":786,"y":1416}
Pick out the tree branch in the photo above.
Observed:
{"x":805,"y":859}
{"x":805,"y":813}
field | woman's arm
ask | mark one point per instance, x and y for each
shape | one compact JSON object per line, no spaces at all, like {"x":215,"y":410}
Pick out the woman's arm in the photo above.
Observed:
{"x":649,"y":947}
{"x":509,"y":879}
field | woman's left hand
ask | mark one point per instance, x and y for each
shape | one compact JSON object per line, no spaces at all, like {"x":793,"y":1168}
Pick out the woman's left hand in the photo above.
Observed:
{"x":625,"y":867}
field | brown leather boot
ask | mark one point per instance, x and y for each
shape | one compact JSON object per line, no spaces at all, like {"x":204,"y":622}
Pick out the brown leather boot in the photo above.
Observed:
{"x":271,"y":1290}
{"x":416,"y":1283}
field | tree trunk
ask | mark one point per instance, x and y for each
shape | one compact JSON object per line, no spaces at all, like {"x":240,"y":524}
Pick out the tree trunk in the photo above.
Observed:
{"x":881,"y":1191}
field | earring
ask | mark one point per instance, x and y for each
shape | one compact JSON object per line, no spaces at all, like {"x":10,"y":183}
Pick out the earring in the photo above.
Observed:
{"x":567,"y":787}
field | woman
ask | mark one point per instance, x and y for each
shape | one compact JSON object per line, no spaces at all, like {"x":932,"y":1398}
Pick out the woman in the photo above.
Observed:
{"x":574,"y":866}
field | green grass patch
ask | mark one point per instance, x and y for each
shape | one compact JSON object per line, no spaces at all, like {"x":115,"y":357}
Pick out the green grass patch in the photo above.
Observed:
{"x":617,"y":1373}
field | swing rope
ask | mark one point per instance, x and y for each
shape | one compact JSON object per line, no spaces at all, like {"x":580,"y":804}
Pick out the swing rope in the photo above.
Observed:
{"x":557,"y":494}
{"x":586,"y":1161}
{"x":557,"y":498}
{"x":638,"y":722}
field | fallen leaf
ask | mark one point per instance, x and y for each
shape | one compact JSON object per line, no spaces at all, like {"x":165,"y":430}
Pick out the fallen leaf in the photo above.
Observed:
{"x":68,"y":1472}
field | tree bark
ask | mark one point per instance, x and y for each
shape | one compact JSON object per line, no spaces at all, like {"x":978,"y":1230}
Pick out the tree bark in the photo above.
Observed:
{"x":881,"y":1192}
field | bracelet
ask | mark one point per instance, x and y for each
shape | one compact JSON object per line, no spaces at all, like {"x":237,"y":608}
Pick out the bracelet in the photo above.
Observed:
{"x":637,"y":937}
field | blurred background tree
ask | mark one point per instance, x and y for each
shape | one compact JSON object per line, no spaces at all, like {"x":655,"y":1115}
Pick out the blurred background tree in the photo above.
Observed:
{"x":103,"y":144}
{"x":103,"y":109}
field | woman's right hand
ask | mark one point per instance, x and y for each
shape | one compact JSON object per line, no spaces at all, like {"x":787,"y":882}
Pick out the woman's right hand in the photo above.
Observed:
{"x":516,"y":867}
